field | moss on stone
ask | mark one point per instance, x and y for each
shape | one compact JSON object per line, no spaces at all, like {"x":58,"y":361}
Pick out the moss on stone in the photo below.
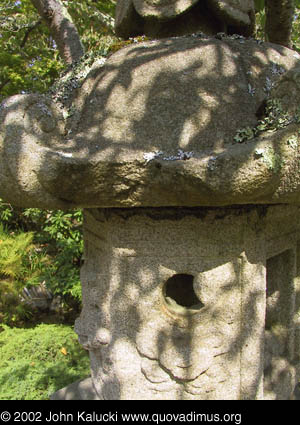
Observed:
{"x":275,"y":119}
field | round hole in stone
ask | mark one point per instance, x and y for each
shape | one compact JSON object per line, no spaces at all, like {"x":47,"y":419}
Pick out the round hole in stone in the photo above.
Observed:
{"x":179,"y":293}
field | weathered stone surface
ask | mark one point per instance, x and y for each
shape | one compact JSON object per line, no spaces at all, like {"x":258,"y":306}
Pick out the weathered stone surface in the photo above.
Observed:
{"x":163,"y":9}
{"x":148,"y":339}
{"x":165,"y":18}
{"x":79,"y":390}
{"x":236,"y":13}
{"x":158,"y":113}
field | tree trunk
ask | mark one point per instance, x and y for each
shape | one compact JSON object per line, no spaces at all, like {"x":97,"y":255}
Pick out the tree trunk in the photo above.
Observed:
{"x":279,"y":18}
{"x":62,"y":29}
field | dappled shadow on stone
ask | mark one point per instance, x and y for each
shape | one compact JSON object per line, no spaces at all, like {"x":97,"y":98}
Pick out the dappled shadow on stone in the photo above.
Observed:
{"x":161,"y":124}
{"x":80,"y":390}
{"x":145,"y":346}
{"x":192,"y":95}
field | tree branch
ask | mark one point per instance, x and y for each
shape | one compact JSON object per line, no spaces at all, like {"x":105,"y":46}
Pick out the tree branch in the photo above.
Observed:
{"x":2,"y":85}
{"x":279,"y":19}
{"x":31,"y":28}
{"x":62,"y":29}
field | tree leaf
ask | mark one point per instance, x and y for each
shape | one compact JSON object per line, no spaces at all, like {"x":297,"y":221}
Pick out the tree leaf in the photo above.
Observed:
{"x":64,"y":351}
{"x":259,"y":5}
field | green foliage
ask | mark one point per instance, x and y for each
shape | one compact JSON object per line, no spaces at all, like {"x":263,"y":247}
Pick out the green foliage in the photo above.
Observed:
{"x":261,"y":21}
{"x":296,"y":28}
{"x":29,"y":59}
{"x":93,"y":20}
{"x":16,"y":271}
{"x":36,"y":362}
{"x":65,"y":232}
{"x":52,"y":255}
{"x":13,"y":248}
{"x":259,"y":5}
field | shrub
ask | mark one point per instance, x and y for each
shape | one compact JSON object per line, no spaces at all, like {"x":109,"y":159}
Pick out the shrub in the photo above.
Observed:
{"x":16,"y":270}
{"x":54,"y":259}
{"x":36,"y":362}
{"x":62,"y":234}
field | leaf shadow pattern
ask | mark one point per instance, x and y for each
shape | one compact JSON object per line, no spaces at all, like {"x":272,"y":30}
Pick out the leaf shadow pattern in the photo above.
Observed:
{"x":167,"y":96}
{"x":128,"y":108}
{"x":215,"y":353}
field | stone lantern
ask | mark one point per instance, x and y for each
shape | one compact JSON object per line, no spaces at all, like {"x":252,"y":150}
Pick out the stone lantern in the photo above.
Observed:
{"x":165,"y":18}
{"x":184,"y":154}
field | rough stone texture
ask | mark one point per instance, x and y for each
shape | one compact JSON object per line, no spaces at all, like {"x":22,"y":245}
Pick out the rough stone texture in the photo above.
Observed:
{"x":165,"y":18}
{"x":145,"y":343}
{"x":178,"y":302}
{"x":186,"y":98}
{"x":162,"y":9}
{"x":79,"y":390}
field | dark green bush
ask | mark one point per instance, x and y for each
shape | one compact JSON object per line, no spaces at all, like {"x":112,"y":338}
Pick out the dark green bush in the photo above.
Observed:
{"x":36,"y":362}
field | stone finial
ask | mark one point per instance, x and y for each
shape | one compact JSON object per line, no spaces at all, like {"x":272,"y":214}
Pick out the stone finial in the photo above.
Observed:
{"x":164,"y":18}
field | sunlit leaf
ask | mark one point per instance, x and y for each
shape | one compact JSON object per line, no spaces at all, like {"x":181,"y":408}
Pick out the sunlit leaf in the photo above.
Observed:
{"x":64,"y":351}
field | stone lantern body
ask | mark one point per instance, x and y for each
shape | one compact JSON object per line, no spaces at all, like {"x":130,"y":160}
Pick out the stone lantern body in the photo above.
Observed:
{"x":184,"y":154}
{"x":192,"y":303}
